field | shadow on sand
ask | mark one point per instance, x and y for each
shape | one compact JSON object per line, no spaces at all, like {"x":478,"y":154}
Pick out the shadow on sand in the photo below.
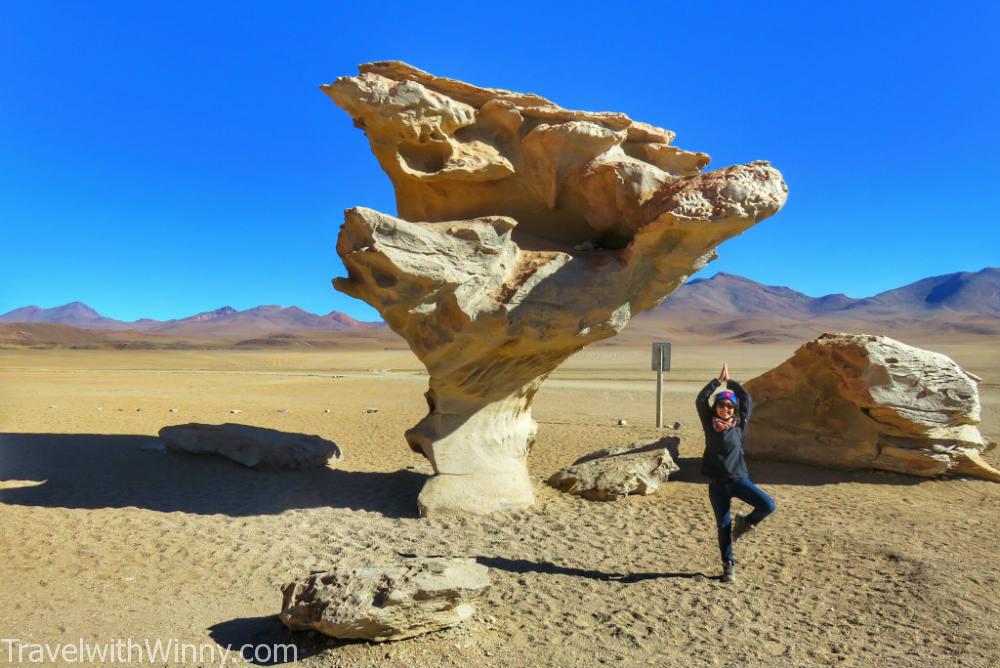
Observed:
{"x":548,"y":568}
{"x":103,"y":471}
{"x":767,"y":472}
{"x":265,"y":641}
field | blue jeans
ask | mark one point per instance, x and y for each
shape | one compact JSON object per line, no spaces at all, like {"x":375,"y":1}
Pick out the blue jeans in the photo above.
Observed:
{"x":721,"y":493}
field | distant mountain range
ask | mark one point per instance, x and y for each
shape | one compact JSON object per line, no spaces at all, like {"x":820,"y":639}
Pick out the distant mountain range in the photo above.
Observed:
{"x":222,"y":323}
{"x":721,"y":308}
{"x":735,"y":308}
{"x":964,"y":292}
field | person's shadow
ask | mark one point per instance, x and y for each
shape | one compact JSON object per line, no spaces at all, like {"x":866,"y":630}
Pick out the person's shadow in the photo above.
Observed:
{"x":548,"y":568}
{"x":116,"y":471}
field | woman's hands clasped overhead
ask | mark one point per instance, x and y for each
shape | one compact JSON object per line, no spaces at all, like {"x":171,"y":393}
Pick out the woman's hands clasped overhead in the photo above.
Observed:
{"x":724,"y":374}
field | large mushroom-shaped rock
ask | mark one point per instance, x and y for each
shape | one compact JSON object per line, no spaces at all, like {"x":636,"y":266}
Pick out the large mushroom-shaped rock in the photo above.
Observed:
{"x":495,"y":190}
{"x":255,"y":447}
{"x":861,"y":401}
{"x":388,"y":601}
{"x":614,"y":473}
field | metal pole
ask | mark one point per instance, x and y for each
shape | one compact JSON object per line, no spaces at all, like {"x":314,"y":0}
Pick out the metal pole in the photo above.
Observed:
{"x":659,"y":389}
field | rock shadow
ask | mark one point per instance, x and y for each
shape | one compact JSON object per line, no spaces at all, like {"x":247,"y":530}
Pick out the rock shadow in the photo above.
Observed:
{"x":548,"y":568}
{"x":118,"y":471}
{"x":668,"y":443}
{"x":265,"y":641}
{"x":770,"y":472}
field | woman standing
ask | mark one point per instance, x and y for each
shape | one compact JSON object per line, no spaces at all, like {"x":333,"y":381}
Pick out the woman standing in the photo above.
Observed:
{"x":725,"y":423}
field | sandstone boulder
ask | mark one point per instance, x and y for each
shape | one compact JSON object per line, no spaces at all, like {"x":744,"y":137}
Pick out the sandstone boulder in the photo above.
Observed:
{"x":614,"y":473}
{"x":388,"y":601}
{"x":526,"y":232}
{"x":860,"y":401}
{"x":256,"y":447}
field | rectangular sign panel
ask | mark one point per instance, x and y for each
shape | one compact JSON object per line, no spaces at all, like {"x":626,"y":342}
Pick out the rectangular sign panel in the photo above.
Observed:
{"x":661,"y":349}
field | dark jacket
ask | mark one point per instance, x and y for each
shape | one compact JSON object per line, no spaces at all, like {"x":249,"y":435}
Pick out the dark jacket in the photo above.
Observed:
{"x":723,"y":457}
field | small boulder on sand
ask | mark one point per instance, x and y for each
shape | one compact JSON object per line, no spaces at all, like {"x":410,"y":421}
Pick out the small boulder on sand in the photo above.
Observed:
{"x":386,"y":601}
{"x":256,"y":447}
{"x":614,"y":473}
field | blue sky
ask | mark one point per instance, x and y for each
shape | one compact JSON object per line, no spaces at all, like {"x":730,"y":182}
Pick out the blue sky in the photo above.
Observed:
{"x":163,"y":158}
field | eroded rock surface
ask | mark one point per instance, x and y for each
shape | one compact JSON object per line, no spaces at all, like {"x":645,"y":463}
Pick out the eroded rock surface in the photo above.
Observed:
{"x":860,"y":401}
{"x":480,"y":275}
{"x":256,"y":447}
{"x":388,"y":601}
{"x":614,"y":473}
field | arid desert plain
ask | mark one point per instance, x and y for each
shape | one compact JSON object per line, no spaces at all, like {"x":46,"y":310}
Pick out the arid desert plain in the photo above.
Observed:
{"x":104,"y":535}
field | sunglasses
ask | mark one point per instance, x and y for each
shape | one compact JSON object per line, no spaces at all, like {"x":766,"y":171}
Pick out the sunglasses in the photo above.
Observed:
{"x":726,"y":404}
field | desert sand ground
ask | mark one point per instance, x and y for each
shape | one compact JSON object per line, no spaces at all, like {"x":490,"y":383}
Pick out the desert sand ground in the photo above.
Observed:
{"x":104,"y":536}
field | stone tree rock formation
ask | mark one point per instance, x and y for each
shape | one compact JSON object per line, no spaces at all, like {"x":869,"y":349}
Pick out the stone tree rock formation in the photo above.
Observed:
{"x":526,"y":232}
{"x":860,"y":401}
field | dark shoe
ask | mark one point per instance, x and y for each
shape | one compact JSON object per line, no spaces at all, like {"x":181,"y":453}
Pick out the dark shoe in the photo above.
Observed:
{"x":729,"y":571}
{"x":741,"y":527}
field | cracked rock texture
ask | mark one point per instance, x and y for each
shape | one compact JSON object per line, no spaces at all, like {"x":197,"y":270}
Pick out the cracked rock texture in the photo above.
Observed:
{"x":614,"y":473}
{"x":861,"y":401}
{"x":525,"y":232}
{"x":255,"y":447}
{"x":388,"y":601}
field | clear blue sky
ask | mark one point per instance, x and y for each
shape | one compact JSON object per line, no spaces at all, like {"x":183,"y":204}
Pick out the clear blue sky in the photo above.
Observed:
{"x":163,"y":158}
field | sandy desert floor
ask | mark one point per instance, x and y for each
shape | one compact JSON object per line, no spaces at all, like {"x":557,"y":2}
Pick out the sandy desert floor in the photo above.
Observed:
{"x":104,"y":536}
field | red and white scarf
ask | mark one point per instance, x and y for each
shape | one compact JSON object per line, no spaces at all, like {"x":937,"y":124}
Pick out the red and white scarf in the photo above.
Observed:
{"x":719,"y":424}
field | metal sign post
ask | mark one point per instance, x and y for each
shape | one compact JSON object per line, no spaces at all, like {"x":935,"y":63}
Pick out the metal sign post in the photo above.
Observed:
{"x":661,"y":363}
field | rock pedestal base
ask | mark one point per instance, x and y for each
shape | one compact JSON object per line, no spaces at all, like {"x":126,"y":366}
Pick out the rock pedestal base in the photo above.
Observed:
{"x":477,"y":494}
{"x":480,"y":459}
